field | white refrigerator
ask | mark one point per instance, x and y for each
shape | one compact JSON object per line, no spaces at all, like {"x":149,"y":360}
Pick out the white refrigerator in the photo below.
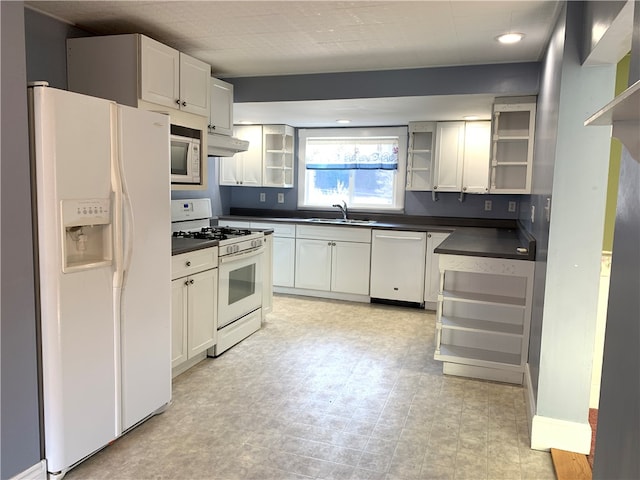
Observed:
{"x":103,"y":236}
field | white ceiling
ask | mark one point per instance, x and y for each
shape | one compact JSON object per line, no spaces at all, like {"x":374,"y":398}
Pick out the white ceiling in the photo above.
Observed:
{"x":254,"y":38}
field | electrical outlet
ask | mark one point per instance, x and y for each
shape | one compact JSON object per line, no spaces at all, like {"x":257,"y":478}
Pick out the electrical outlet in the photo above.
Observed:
{"x":512,"y":206}
{"x":281,"y":198}
{"x":487,"y":205}
{"x":263,"y":197}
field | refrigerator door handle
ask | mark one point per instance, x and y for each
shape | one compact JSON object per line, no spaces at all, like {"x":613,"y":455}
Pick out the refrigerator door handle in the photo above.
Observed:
{"x":117,"y":187}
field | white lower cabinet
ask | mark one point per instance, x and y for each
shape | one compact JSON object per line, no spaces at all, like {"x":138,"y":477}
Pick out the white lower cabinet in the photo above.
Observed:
{"x":483,"y":317}
{"x":397,"y":265}
{"x":284,"y":251}
{"x":432,"y":272}
{"x":194,"y":304}
{"x":333,"y":259}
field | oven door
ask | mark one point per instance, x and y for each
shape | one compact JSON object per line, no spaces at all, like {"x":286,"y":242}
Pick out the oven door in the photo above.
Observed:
{"x":239,"y":285}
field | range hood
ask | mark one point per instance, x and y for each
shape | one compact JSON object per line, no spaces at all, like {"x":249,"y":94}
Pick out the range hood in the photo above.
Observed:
{"x":225,"y":146}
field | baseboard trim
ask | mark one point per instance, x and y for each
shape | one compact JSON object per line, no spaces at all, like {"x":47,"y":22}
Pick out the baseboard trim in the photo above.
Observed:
{"x":548,"y":433}
{"x":36,"y":472}
{"x":529,"y":397}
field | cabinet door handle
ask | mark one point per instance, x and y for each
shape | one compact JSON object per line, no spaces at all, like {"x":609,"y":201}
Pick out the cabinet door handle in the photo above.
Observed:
{"x":191,"y":282}
{"x":329,"y":243}
{"x":428,"y":235}
{"x":184,"y":104}
{"x":188,"y":263}
{"x":186,"y":282}
{"x":178,"y":101}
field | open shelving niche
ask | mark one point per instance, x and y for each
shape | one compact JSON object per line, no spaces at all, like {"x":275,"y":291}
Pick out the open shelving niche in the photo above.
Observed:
{"x":512,"y":145}
{"x":420,"y":155}
{"x":483,"y":317}
{"x":278,"y":155}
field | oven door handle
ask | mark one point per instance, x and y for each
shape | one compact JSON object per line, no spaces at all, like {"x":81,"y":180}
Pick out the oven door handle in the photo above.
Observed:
{"x":241,"y":255}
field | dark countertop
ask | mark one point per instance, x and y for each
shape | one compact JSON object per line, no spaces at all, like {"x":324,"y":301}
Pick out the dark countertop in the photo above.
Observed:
{"x":489,"y":242}
{"x":472,"y":237}
{"x":184,"y":245}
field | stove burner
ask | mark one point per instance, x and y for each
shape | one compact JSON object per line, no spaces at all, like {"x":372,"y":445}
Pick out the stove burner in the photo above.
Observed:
{"x":213,"y":233}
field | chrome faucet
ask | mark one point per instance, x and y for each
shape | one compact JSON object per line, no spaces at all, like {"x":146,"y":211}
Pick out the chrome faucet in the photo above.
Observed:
{"x":343,"y":209}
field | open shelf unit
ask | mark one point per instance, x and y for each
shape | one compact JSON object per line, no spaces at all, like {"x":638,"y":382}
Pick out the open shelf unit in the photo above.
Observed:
{"x":512,"y":147}
{"x":420,"y":155}
{"x":277,"y":142}
{"x":483,"y":316}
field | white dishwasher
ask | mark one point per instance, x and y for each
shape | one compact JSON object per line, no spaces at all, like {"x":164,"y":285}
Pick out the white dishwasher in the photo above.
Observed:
{"x":397,"y":265}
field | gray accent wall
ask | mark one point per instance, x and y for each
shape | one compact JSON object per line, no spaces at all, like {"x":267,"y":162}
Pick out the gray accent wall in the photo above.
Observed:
{"x":542,"y":182}
{"x":618,"y":435}
{"x":20,"y":436}
{"x":498,"y":79}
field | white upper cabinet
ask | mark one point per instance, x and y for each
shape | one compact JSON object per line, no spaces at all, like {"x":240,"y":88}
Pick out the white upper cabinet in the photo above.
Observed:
{"x":512,"y":146}
{"x":159,"y":73}
{"x":462,"y":157}
{"x":267,"y":163}
{"x":420,"y":155}
{"x":244,"y":168}
{"x":136,"y":70}
{"x":173,"y":79}
{"x":447,"y":174}
{"x":221,"y":107}
{"x":477,"y":152}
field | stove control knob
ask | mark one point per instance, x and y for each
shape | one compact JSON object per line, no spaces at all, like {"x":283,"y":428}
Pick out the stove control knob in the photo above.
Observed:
{"x":236,"y":248}
{"x":229,"y":249}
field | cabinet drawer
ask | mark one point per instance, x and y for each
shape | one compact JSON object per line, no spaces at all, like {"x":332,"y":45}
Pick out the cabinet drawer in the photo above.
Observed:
{"x":345,"y":234}
{"x":193,"y":262}
{"x":279,"y":229}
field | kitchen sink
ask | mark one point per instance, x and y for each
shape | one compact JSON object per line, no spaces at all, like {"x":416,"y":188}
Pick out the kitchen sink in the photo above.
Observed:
{"x":342,"y":221}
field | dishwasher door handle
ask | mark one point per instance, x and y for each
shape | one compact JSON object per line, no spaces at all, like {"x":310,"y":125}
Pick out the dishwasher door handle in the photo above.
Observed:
{"x":396,"y":237}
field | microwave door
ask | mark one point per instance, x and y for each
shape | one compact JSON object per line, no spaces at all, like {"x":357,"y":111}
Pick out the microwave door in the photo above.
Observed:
{"x":179,"y":158}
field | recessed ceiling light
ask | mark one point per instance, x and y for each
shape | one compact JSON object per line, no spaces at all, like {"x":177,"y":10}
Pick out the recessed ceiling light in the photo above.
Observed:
{"x":343,"y":120}
{"x":471,"y":117}
{"x":511,"y":37}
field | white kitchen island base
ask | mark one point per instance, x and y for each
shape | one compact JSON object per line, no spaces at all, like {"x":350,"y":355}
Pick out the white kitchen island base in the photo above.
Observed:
{"x":483,"y":317}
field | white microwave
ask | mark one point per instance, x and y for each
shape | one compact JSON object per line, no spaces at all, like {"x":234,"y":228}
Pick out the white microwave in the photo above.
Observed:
{"x":185,"y":155}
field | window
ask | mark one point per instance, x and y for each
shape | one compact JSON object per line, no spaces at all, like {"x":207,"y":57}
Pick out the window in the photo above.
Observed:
{"x":365,"y":167}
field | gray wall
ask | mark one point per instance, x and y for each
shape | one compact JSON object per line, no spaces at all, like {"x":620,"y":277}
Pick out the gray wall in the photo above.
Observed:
{"x":544,"y":159}
{"x":618,"y":434}
{"x":20,"y":439}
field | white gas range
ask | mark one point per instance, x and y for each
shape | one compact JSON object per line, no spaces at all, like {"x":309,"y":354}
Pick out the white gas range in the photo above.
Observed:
{"x":240,"y":264}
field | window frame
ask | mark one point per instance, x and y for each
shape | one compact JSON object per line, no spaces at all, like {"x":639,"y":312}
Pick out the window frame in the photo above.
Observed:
{"x":402,"y":132}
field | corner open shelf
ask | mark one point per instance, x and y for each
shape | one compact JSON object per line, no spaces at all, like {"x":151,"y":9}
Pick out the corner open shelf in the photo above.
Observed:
{"x":483,"y":317}
{"x":623,"y":113}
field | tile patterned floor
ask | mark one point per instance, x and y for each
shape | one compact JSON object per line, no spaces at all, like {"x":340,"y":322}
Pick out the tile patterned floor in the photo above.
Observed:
{"x":330,"y":390}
